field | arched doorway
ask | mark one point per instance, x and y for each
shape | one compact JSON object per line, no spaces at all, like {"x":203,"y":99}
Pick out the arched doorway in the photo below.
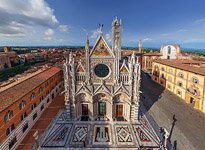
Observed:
{"x":83,"y":107}
{"x":121,"y":107}
{"x":102,"y":107}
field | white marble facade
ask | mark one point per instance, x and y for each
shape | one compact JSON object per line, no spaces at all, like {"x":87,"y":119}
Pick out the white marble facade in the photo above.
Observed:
{"x":103,"y":86}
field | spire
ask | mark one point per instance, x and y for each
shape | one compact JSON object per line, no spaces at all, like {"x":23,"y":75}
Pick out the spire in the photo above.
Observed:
{"x":133,"y":58}
{"x":140,"y":46}
{"x":87,"y":44}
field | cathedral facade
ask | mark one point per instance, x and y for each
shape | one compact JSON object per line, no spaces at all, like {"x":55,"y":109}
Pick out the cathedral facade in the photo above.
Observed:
{"x":103,"y":86}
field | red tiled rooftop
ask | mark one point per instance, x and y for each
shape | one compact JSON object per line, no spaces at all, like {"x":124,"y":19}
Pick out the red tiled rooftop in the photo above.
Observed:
{"x":188,"y":65}
{"x":12,"y":94}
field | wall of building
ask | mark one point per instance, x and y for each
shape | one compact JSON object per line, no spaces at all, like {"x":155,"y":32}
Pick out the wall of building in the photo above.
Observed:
{"x":50,"y":89}
{"x":179,"y":82}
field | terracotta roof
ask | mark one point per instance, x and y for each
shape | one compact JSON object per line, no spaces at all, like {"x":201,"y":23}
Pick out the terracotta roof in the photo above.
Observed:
{"x":152,"y":54}
{"x":14,"y":93}
{"x":193,"y":66}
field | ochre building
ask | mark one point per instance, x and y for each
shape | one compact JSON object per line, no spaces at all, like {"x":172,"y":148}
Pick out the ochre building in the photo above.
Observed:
{"x":185,"y":78}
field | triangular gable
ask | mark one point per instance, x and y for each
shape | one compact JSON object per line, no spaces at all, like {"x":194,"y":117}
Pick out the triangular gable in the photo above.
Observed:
{"x":102,"y":88}
{"x":101,"y":49}
{"x":80,"y":68}
{"x":121,"y":89}
{"x":82,"y":89}
{"x":124,"y":69}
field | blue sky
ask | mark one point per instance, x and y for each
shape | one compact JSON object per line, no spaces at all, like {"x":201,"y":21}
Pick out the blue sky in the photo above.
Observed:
{"x":66,"y":22}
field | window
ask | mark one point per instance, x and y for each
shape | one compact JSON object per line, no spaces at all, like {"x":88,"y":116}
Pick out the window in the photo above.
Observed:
{"x":193,"y":91}
{"x":42,"y":107}
{"x":181,"y":75}
{"x":25,"y":127}
{"x":155,"y":68}
{"x":162,"y":68}
{"x":48,"y":100}
{"x":178,"y":92}
{"x":180,"y":84}
{"x":169,"y":49}
{"x":195,"y":80}
{"x":170,"y":79}
{"x":40,"y":90}
{"x":34,"y":116}
{"x":102,"y":108}
{"x":8,"y":116}
{"x":23,"y":116}
{"x":33,"y":106}
{"x":33,"y":96}
{"x":170,"y":71}
{"x":162,"y":75}
{"x":101,"y":70}
{"x":46,"y":84}
{"x":168,"y":86}
{"x":22,"y":104}
{"x":10,"y":129}
{"x":12,"y":143}
{"x":41,"y":98}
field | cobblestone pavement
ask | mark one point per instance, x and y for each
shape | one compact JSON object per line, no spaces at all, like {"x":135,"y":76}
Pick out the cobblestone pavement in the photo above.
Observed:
{"x":42,"y":122}
{"x":189,"y":128}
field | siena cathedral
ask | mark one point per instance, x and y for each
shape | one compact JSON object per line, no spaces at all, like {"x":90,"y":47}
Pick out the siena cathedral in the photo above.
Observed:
{"x":102,"y":101}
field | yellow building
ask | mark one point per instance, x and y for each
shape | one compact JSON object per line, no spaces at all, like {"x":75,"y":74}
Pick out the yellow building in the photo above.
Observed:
{"x":185,"y":78}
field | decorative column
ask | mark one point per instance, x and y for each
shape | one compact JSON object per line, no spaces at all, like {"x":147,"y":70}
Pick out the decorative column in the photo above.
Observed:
{"x":67,"y":86}
{"x":72,"y":84}
{"x":135,"y":92}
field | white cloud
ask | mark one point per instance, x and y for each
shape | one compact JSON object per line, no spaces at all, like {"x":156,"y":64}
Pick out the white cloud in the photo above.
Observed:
{"x":64,"y":28}
{"x":108,"y":37}
{"x":49,"y":34}
{"x":147,"y":39}
{"x":21,"y":18}
{"x":94,"y":34}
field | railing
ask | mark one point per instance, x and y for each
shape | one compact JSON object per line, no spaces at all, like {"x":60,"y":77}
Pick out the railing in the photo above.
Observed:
{"x":193,"y":92}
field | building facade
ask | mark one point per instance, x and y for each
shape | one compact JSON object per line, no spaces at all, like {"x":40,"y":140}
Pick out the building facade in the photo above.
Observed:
{"x":23,"y":103}
{"x":185,"y":78}
{"x":170,"y":51}
{"x":103,"y":87}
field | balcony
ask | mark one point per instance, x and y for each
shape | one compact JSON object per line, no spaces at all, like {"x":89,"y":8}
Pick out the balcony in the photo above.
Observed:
{"x":193,"y":92}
